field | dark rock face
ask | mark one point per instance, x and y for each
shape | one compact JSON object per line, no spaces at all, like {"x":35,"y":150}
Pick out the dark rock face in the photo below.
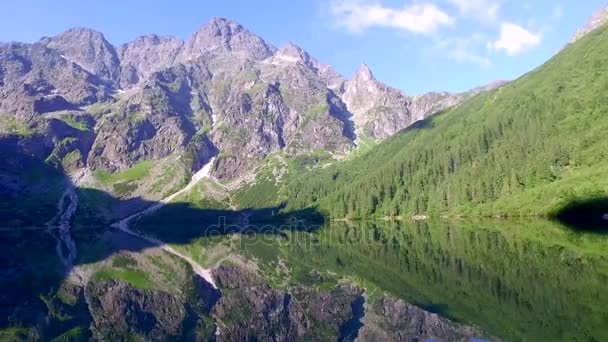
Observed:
{"x":119,"y":310}
{"x":251,"y":310}
{"x":392,"y":319}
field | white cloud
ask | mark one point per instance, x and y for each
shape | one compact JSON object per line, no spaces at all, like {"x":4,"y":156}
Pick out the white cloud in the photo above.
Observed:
{"x":515,"y":39}
{"x":358,"y":15}
{"x":463,"y":50}
{"x":558,"y":12}
{"x":485,"y":11}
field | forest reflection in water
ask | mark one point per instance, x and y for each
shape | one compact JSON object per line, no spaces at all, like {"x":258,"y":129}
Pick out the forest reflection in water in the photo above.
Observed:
{"x":517,"y":280}
{"x":533,"y":280}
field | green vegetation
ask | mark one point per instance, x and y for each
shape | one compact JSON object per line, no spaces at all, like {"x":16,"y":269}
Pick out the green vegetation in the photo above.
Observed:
{"x":65,"y":154}
{"x":124,"y":183}
{"x":136,"y":172}
{"x":124,"y":261}
{"x":261,"y":194}
{"x":273,"y":176}
{"x":30,"y":208}
{"x":135,"y":117}
{"x":71,"y":157}
{"x":124,"y":188}
{"x":365,"y":144}
{"x":136,"y":278}
{"x":288,"y":97}
{"x":72,"y":122}
{"x":74,"y":334}
{"x":55,"y":309}
{"x":99,"y":108}
{"x":314,"y":112}
{"x":514,"y":279}
{"x":11,"y":126}
{"x":205,"y":195}
{"x":527,"y":148}
{"x":15,"y":334}
{"x":256,"y":89}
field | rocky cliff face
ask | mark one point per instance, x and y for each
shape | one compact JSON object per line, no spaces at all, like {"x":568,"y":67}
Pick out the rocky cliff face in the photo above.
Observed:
{"x":250,"y":310}
{"x":225,"y":92}
{"x":598,"y":20}
{"x":221,"y":36}
{"x":37,"y":80}
{"x":380,"y":111}
{"x":118,"y":310}
{"x":144,"y":56}
{"x":89,"y":49}
{"x":390,"y":319}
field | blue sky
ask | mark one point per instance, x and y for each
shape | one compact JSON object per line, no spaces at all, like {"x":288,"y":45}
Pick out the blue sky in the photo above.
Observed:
{"x":414,"y":45}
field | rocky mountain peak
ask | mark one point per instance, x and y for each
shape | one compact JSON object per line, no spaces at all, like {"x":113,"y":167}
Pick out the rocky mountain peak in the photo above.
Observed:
{"x":89,"y":49}
{"x":221,"y":35}
{"x":153,"y":39}
{"x":81,"y":33}
{"x":364,"y":73}
{"x":145,"y":55}
{"x":598,"y":20}
{"x":292,"y":52}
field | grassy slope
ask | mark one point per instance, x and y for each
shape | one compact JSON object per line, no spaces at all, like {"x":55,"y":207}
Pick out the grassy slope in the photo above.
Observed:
{"x":527,"y":148}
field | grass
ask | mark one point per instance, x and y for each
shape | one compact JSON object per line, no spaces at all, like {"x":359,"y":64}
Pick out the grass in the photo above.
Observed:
{"x":14,"y":334}
{"x":71,"y":157}
{"x":124,"y":261}
{"x":273,"y":176}
{"x":72,"y":122}
{"x":314,"y":112}
{"x":138,"y":279}
{"x":30,"y":208}
{"x":10,"y":125}
{"x":136,"y":172}
{"x":99,"y":108}
{"x":261,"y":194}
{"x":74,"y":334}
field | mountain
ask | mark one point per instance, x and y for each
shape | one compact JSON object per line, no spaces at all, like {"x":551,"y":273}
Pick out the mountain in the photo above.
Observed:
{"x":145,"y":55}
{"x":380,"y":111}
{"x":595,"y":22}
{"x":203,"y":190}
{"x":88,"y":49}
{"x":536,"y":146}
{"x":167,"y":107}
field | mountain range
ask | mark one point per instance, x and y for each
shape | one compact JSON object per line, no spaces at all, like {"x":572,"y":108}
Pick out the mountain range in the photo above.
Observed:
{"x":225,"y":189}
{"x":225,"y":94}
{"x":161,"y":89}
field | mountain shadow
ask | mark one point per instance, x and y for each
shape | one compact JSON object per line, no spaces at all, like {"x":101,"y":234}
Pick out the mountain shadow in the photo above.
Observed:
{"x":588,"y":215}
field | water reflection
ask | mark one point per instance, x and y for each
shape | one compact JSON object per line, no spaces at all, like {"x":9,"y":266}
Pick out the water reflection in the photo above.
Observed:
{"x":518,"y":280}
{"x":531,"y":280}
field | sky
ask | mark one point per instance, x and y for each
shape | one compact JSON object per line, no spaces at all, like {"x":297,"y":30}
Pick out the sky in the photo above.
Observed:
{"x":414,"y":45}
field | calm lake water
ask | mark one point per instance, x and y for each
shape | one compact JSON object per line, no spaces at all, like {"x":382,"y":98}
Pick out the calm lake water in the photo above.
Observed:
{"x":532,"y":280}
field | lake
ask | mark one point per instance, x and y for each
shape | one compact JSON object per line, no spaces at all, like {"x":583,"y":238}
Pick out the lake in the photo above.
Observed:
{"x":515,"y":280}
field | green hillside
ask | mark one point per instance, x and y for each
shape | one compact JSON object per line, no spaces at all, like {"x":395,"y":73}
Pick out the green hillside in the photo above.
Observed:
{"x":531,"y":147}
